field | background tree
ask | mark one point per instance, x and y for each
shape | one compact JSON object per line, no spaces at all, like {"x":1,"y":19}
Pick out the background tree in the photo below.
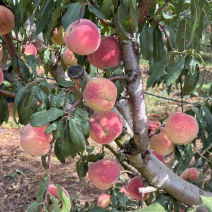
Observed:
{"x":169,"y":35}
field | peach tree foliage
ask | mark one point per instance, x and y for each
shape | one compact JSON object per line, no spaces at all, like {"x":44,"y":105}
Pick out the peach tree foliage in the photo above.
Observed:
{"x":174,"y":63}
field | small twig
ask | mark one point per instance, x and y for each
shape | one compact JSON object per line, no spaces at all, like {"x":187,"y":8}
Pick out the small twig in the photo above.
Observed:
{"x":48,"y":171}
{"x":74,"y":105}
{"x":81,"y":9}
{"x":126,"y":171}
{"x":45,"y":77}
{"x":181,"y":92}
{"x":124,"y":77}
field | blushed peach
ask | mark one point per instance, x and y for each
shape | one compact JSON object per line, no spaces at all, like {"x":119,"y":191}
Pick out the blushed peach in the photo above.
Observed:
{"x":160,"y":157}
{"x":104,"y":173}
{"x":133,"y":185}
{"x":35,"y":141}
{"x":105,"y":127}
{"x":161,"y":144}
{"x":82,"y":38}
{"x":190,"y":174}
{"x":100,"y":94}
{"x":181,"y":128}
{"x":107,"y":55}
{"x":103,"y":200}
{"x":52,"y":189}
{"x":1,"y":76}
{"x":7,"y":20}
{"x":69,"y":58}
{"x":30,"y":49}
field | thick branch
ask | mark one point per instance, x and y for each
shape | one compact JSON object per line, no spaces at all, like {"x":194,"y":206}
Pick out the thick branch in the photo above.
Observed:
{"x":7,"y":94}
{"x":144,"y":7}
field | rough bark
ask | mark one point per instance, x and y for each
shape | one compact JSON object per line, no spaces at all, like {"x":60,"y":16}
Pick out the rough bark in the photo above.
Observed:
{"x":144,"y":7}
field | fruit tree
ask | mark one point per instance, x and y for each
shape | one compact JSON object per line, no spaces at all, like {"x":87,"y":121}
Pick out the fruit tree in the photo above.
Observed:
{"x":93,"y":93}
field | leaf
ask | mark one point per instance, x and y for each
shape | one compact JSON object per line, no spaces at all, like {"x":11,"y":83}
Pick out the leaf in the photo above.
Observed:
{"x":146,"y":42}
{"x":31,"y":63}
{"x":58,"y":100}
{"x":122,"y":198}
{"x":174,"y":70}
{"x":107,"y":8}
{"x":72,"y":14}
{"x":97,"y":209}
{"x":58,"y":151}
{"x":24,"y":70}
{"x":158,"y":69}
{"x":81,"y":168}
{"x":65,"y":200}
{"x":44,"y":17}
{"x":207,"y":202}
{"x":64,"y":83}
{"x":32,"y":207}
{"x":94,"y":157}
{"x":158,"y":45}
{"x":98,"y":13}
{"x":191,"y":78}
{"x":4,"y":112}
{"x":153,"y":207}
{"x":77,"y":136}
{"x":44,"y":117}
{"x":135,"y":13}
{"x":207,"y":116}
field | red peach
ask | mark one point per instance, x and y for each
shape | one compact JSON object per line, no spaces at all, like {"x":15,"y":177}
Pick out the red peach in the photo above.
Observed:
{"x":100,"y":94}
{"x":104,"y":173}
{"x":82,"y":38}
{"x":133,"y":185}
{"x":161,"y":144}
{"x":103,"y":200}
{"x":69,"y":58}
{"x":123,"y":190}
{"x":190,"y":174}
{"x":35,"y":141}
{"x":105,"y":127}
{"x":181,"y":128}
{"x":160,"y":157}
{"x":30,"y":49}
{"x":107,"y":55}
{"x":1,"y":76}
{"x":7,"y":20}
{"x":57,"y":37}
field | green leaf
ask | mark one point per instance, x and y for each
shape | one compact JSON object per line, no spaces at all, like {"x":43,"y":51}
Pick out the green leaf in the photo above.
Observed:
{"x":122,"y":198}
{"x":158,"y":45}
{"x":77,"y":136}
{"x":31,"y":63}
{"x":158,"y":69}
{"x":58,"y":100}
{"x":192,"y":77}
{"x":107,"y":8}
{"x":135,"y":13}
{"x":207,"y":116}
{"x":23,"y":6}
{"x":174,"y":70}
{"x":44,"y":17}
{"x":32,"y":207}
{"x":97,"y":209}
{"x":65,"y":200}
{"x":146,"y":42}
{"x":153,"y":207}
{"x":94,"y":157}
{"x":44,"y":117}
{"x":98,"y":13}
{"x":207,"y":202}
{"x":58,"y":150}
{"x":64,"y":83}
{"x":81,"y":168}
{"x":24,"y":70}
{"x":72,"y":14}
{"x":4,"y":113}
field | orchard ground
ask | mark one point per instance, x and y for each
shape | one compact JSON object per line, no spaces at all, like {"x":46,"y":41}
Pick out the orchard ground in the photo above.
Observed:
{"x":20,"y":174}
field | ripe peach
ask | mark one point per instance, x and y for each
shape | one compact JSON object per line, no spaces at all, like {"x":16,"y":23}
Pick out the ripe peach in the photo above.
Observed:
{"x":133,"y":185}
{"x":7,"y":20}
{"x":105,"y":127}
{"x":161,"y":144}
{"x":107,"y":55}
{"x":30,"y":49}
{"x":100,"y":94}
{"x":57,"y":37}
{"x":103,"y":200}
{"x":123,"y":190}
{"x":190,"y":174}
{"x":181,"y":128}
{"x":160,"y":157}
{"x":35,"y":141}
{"x":82,"y":38}
{"x":68,"y":58}
{"x":1,"y":76}
{"x":104,"y":173}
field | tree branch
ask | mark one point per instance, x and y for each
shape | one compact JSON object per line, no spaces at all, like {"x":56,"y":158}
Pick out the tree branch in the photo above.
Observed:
{"x":7,"y":94}
{"x":144,"y":7}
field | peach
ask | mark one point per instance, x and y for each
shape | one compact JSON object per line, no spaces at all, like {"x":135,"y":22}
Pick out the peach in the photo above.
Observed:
{"x":69,"y":58}
{"x":7,"y":20}
{"x":181,"y":128}
{"x":1,"y":76}
{"x":57,"y":37}
{"x":133,"y":185}
{"x":105,"y":127}
{"x":100,"y":94}
{"x":160,"y":157}
{"x":123,"y":190}
{"x":82,"y":38}
{"x":104,"y":173}
{"x":35,"y":141}
{"x":103,"y":200}
{"x":161,"y":144}
{"x":107,"y":55}
{"x":30,"y":49}
{"x":190,"y":174}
